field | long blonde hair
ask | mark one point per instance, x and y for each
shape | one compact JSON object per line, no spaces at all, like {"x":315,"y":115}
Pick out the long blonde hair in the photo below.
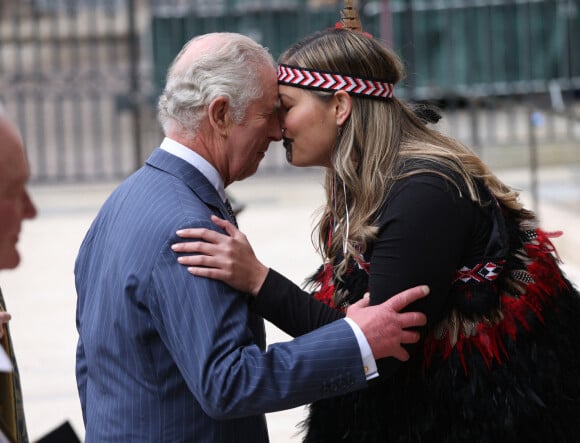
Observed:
{"x":381,"y":142}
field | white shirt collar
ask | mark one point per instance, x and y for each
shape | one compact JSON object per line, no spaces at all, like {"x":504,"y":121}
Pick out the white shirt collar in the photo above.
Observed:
{"x":197,"y":161}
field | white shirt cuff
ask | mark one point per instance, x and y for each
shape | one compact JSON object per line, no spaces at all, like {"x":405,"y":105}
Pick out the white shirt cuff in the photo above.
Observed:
{"x":369,"y":364}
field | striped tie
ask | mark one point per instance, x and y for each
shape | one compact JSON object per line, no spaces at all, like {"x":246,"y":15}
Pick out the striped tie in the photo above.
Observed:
{"x":231,"y":212}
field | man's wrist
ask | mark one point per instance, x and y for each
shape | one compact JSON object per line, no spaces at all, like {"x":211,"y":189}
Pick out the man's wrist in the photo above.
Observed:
{"x":368,"y":360}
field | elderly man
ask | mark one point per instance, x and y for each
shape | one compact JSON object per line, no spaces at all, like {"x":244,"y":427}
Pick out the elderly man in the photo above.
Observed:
{"x":15,"y":206}
{"x":167,"y":357}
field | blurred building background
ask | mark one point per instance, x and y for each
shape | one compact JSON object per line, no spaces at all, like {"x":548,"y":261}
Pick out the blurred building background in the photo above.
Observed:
{"x":82,"y":77}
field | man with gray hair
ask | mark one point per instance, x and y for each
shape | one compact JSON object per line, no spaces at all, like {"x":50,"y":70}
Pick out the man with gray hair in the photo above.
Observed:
{"x":164,"y":356}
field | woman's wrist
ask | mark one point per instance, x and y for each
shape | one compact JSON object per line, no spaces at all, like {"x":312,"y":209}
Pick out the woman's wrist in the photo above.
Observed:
{"x":259,"y":280}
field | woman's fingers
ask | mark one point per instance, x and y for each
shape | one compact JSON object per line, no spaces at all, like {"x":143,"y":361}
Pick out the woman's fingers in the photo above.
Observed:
{"x":206,"y":237}
{"x":204,"y":234}
{"x":213,"y":273}
{"x":225,"y":225}
{"x":227,"y":257}
{"x":195,"y":247}
{"x":200,"y":260}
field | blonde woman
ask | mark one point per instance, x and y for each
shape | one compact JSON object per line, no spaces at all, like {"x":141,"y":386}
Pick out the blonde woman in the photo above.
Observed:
{"x":406,"y":205}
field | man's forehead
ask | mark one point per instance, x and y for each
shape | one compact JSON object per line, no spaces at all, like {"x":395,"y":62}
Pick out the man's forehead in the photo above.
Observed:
{"x":269,"y":104}
{"x":271,"y":92}
{"x":269,"y":98}
{"x":13,"y":164}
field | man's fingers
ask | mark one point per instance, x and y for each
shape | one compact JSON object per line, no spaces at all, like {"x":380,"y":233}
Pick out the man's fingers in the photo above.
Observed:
{"x":405,"y":298}
{"x":409,"y":337}
{"x":401,"y":354}
{"x":363,"y":302}
{"x":412,"y":319}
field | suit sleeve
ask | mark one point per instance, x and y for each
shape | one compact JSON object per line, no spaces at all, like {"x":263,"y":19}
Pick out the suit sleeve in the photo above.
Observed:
{"x":81,"y":369}
{"x":205,"y":325}
{"x":81,"y":376}
{"x":291,"y":309}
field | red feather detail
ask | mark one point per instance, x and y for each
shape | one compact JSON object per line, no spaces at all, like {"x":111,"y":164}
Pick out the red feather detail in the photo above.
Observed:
{"x":516,"y":310}
{"x":326,"y":286}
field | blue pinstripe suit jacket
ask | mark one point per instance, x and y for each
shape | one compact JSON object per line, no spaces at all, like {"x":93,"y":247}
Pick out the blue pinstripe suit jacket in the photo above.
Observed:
{"x":164,"y":356}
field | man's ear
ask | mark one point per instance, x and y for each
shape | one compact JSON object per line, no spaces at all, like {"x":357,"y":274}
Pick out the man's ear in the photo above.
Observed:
{"x":343,"y":106}
{"x":218,"y":115}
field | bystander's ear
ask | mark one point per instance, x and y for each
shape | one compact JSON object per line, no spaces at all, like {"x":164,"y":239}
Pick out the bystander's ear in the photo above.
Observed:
{"x":219,"y":116}
{"x":342,"y":106}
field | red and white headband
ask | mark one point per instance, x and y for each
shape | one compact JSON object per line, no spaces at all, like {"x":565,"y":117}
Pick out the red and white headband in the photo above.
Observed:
{"x":332,"y":82}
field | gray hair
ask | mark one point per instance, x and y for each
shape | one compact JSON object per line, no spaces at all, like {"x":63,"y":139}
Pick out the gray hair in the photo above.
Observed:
{"x":230,"y":71}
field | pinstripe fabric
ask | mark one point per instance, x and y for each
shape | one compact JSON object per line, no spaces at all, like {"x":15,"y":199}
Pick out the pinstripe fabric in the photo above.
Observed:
{"x":164,"y":356}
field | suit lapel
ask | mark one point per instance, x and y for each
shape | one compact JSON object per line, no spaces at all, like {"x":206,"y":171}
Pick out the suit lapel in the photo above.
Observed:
{"x":189,"y":175}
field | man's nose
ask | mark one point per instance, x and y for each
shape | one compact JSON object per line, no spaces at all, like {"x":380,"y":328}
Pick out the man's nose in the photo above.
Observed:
{"x":275,"y":129}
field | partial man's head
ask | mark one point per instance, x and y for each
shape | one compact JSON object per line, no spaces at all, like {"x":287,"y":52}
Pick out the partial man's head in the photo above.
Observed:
{"x":221,"y":100}
{"x":15,"y":202}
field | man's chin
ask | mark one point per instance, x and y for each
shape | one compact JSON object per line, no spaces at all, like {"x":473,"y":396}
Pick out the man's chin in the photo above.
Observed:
{"x":248,"y":172}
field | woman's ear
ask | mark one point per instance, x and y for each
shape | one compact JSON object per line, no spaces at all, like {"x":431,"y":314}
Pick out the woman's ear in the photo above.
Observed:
{"x":218,"y":115}
{"x":343,"y":106}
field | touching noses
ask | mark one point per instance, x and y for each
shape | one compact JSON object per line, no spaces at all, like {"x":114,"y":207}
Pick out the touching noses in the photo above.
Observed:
{"x":275,"y":132}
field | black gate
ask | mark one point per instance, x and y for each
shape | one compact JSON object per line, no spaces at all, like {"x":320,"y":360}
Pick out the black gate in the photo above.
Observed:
{"x":69,"y":76}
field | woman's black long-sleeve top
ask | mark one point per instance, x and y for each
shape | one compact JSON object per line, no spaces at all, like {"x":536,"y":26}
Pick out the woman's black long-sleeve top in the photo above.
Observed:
{"x":427,"y":230}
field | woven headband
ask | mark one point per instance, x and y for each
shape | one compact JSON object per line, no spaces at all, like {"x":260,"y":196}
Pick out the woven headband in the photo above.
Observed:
{"x":331,"y":82}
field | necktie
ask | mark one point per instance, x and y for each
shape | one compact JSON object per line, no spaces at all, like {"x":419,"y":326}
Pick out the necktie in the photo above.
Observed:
{"x":11,"y":408}
{"x":231,"y":212}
